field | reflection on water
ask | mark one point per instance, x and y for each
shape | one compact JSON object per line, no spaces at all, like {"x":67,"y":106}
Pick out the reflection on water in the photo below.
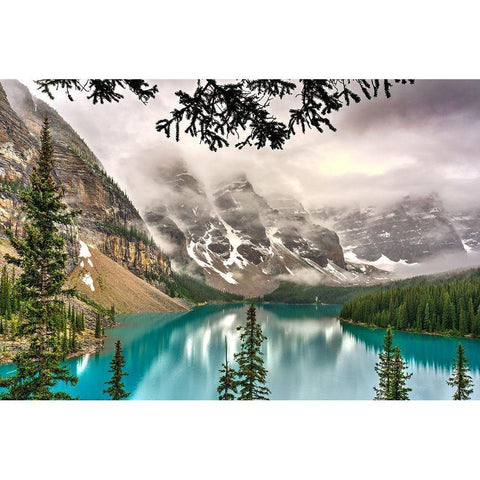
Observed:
{"x":309,"y":355}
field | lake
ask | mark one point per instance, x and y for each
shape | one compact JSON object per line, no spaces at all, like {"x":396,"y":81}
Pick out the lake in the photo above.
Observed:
{"x":309,"y":355}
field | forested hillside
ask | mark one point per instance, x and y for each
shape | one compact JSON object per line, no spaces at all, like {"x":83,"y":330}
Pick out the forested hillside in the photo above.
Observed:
{"x":449,"y":307}
{"x":294,"y":293}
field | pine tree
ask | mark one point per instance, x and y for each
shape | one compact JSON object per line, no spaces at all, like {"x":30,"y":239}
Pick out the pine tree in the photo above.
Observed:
{"x":463,"y":322}
{"x":73,"y":334}
{"x":41,"y":255}
{"x":252,"y":374}
{"x":116,"y":390}
{"x":460,"y":378}
{"x":98,"y":327}
{"x":398,"y":388}
{"x":228,"y":383}
{"x":384,"y":367}
{"x":476,"y":324}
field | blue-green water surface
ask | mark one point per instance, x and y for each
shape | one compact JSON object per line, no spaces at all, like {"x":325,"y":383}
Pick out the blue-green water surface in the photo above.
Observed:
{"x":309,"y":354}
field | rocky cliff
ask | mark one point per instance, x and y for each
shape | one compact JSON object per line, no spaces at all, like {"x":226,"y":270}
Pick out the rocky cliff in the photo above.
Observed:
{"x":108,"y":221}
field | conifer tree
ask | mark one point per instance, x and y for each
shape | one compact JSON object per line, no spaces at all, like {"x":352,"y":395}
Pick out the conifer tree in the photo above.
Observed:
{"x":98,"y":327}
{"x":476,"y":324}
{"x":116,"y":390}
{"x":399,"y":377}
{"x":460,"y":378}
{"x":463,"y":322}
{"x":228,"y":383}
{"x":41,"y":255}
{"x":384,"y":367}
{"x":252,"y":374}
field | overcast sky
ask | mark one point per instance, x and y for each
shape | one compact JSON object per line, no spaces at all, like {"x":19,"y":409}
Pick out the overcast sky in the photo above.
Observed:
{"x":423,"y":139}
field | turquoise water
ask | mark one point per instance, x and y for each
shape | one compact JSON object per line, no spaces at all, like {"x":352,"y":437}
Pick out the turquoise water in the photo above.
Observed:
{"x":309,"y":355}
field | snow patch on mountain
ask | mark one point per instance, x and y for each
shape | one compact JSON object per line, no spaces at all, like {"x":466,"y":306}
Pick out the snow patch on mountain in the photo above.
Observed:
{"x":88,"y":280}
{"x":235,"y":241}
{"x":382,"y":263}
{"x":84,"y":250}
{"x":191,"y":249}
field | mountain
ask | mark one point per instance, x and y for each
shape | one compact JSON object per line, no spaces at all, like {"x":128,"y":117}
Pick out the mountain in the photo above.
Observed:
{"x":409,"y":231}
{"x":241,"y":242}
{"x":467,"y":224}
{"x":108,"y":222}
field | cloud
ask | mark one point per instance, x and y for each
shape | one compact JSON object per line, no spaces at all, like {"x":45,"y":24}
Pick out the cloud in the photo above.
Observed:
{"x":303,"y":276}
{"x":439,"y":264}
{"x":423,"y":139}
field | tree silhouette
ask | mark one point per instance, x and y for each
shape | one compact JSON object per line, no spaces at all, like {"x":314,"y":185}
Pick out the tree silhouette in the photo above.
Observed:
{"x":384,"y":367}
{"x":251,"y":372}
{"x":116,"y":388}
{"x":399,"y":377}
{"x":217,"y":111}
{"x":460,"y":378}
{"x":227,"y":384}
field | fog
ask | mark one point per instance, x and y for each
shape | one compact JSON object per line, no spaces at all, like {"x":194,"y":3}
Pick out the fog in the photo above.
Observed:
{"x":439,"y":264}
{"x":425,"y":138}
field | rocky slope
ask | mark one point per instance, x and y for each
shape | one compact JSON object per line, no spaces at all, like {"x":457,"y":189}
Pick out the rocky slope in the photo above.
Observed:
{"x":108,"y":221}
{"x":107,"y":283}
{"x":242,"y":243}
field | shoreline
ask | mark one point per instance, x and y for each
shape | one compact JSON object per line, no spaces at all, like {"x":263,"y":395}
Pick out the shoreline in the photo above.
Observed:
{"x":435,"y":334}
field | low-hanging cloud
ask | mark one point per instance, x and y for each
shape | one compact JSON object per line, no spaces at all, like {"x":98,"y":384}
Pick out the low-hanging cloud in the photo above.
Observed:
{"x":439,"y":264}
{"x":423,"y":139}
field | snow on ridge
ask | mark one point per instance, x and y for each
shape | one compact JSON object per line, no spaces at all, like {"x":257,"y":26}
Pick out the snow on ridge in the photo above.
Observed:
{"x":84,"y":254}
{"x":235,"y":241}
{"x":88,"y":280}
{"x":84,"y":251}
{"x":383,"y":262}
{"x":228,"y":277}
{"x":467,"y":247}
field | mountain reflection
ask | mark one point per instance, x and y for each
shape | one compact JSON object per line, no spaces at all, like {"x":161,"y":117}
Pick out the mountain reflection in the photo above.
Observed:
{"x":309,"y":354}
{"x":418,"y":349}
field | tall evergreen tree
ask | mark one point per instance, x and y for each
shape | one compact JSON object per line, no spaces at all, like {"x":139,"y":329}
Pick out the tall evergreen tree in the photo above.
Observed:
{"x":460,"y":378}
{"x":228,"y":383}
{"x":399,"y":377}
{"x":116,"y":390}
{"x":384,"y":367}
{"x":41,"y":255}
{"x":252,"y":374}
{"x":98,"y":327}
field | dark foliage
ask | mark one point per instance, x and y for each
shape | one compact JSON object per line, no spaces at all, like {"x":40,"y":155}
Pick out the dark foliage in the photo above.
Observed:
{"x":116,"y":390}
{"x":99,"y":90}
{"x":217,"y":111}
{"x":384,"y":367}
{"x":41,"y":256}
{"x":399,"y":377}
{"x":198,"y":291}
{"x":251,"y":372}
{"x":461,"y":379}
{"x":449,"y":307}
{"x":228,"y":381}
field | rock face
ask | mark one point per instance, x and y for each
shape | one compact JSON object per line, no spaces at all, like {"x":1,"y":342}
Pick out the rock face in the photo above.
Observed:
{"x":109,"y":221}
{"x":237,"y":238}
{"x":410,"y":230}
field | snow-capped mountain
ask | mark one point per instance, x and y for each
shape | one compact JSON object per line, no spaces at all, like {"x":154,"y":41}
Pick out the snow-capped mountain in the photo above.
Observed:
{"x":246,"y":244}
{"x":467,"y":224}
{"x":409,"y":231}
{"x":243,"y":243}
